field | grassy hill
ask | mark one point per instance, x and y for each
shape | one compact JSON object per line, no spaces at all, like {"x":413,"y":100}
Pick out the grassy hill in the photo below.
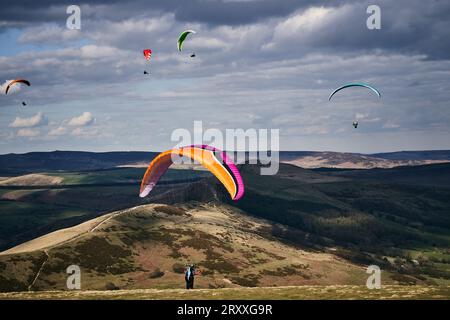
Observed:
{"x":401,"y":227}
{"x":30,"y":208}
{"x":149,"y":246}
{"x":299,"y":227}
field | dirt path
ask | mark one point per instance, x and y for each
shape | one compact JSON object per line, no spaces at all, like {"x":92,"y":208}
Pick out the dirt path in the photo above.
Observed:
{"x":40,"y":269}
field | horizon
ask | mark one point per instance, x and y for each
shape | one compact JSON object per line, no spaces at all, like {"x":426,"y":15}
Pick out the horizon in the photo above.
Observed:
{"x":281,"y":151}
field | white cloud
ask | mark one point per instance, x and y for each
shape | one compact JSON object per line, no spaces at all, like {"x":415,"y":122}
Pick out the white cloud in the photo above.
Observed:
{"x":309,"y":19}
{"x":390,"y":125}
{"x":60,"y":131}
{"x":29,"y":133}
{"x":85,"y":119}
{"x":37,"y":120}
{"x":82,"y":132}
{"x":49,"y":33}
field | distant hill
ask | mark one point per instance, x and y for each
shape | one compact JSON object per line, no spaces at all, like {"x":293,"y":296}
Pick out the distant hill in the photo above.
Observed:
{"x":429,"y":175}
{"x":69,"y":161}
{"x":35,"y":162}
{"x":415,"y":155}
{"x":343,"y":160}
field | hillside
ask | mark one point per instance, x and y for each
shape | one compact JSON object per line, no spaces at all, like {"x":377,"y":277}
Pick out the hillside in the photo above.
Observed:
{"x":299,"y":227}
{"x":32,"y":205}
{"x":149,"y":246}
{"x":403,"y":227}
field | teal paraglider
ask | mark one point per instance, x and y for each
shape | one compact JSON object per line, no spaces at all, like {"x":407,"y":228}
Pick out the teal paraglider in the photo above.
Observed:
{"x":355,"y":85}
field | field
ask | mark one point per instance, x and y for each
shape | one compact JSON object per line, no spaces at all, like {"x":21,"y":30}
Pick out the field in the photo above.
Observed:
{"x":269,"y":293}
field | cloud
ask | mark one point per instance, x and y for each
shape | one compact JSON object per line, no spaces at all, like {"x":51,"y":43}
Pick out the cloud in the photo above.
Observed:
{"x":49,"y":33}
{"x":407,"y":25}
{"x":27,"y":12}
{"x":37,"y":120}
{"x":84,"y":133}
{"x":263,"y":64}
{"x":85,"y":119}
{"x":60,"y":131}
{"x":28,"y":133}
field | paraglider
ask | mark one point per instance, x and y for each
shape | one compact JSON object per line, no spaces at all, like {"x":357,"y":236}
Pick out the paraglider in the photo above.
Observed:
{"x":147,"y":54}
{"x":355,"y":85}
{"x":182,"y":38}
{"x":355,"y":123}
{"x":215,"y":160}
{"x":13,"y":82}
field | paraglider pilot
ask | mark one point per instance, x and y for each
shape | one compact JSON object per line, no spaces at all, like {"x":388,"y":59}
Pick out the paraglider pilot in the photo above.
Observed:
{"x":189,"y":276}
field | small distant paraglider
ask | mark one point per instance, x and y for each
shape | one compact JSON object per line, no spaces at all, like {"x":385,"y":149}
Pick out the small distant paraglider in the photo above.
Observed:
{"x":147,"y":54}
{"x":17,"y":82}
{"x":182,"y":38}
{"x":355,"y":123}
{"x":355,"y":85}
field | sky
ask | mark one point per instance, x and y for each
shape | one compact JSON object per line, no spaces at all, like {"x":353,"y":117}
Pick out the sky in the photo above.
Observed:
{"x":260,"y":64}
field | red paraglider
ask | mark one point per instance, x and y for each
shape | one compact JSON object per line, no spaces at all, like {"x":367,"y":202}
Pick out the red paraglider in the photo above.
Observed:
{"x":147,"y":54}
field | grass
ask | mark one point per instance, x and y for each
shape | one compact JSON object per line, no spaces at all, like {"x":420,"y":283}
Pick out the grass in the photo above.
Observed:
{"x":259,"y":293}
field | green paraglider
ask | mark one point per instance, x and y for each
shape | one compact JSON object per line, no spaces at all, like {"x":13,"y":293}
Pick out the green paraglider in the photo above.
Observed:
{"x":182,"y":38}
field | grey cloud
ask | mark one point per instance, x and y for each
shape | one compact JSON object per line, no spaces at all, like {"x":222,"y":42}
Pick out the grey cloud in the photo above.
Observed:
{"x":236,"y":71}
{"x":408,"y":26}
{"x":211,"y":12}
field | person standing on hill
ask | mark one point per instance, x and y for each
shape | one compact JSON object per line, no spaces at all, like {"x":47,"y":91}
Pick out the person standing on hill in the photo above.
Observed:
{"x":189,"y":276}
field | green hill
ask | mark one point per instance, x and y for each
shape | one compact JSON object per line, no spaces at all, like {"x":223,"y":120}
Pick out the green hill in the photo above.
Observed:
{"x":299,"y":227}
